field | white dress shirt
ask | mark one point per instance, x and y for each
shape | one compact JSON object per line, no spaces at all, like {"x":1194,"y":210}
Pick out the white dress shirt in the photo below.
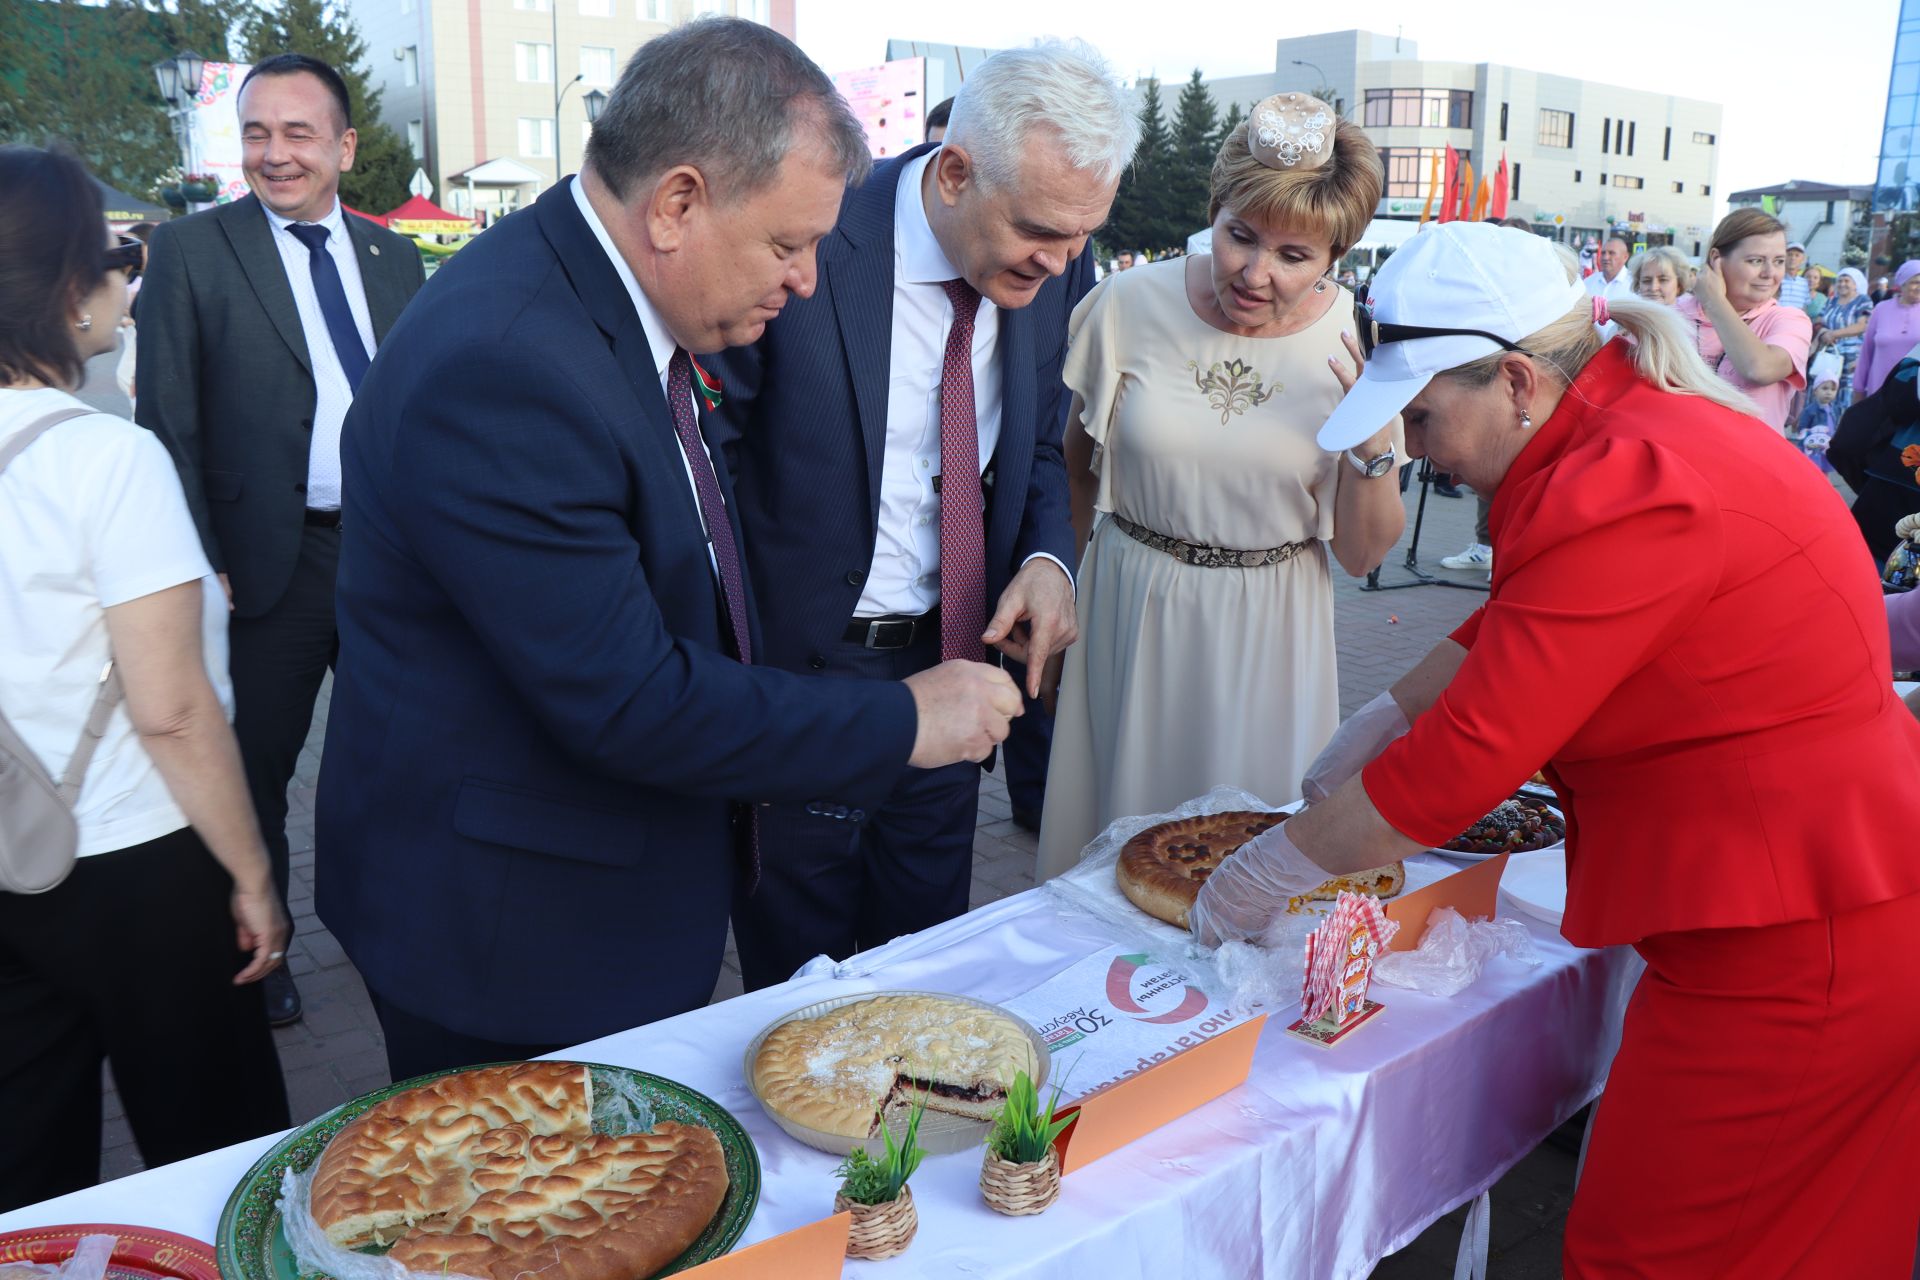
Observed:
{"x":659,"y":342}
{"x":1621,"y":286}
{"x":904,"y":577}
{"x":333,"y":394}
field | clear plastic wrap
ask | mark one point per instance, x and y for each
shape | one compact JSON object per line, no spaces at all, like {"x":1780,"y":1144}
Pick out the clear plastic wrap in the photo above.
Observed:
{"x":91,"y":1256}
{"x":618,"y":1108}
{"x":1452,"y":953}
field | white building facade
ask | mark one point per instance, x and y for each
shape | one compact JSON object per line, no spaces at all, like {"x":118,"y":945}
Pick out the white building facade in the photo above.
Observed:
{"x":1583,"y":158}
{"x":1817,"y":214}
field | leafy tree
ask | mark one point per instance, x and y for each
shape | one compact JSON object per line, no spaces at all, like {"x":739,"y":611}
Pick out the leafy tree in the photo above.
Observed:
{"x":82,"y":75}
{"x":1196,"y":122}
{"x":382,"y":164}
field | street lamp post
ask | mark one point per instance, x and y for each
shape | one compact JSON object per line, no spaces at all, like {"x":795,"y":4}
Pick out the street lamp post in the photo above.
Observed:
{"x":558,"y":172}
{"x":1323,"y":83}
{"x":179,"y":80}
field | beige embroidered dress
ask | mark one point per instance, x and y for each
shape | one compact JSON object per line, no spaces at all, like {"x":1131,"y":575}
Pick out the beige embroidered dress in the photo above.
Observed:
{"x":1188,"y":676}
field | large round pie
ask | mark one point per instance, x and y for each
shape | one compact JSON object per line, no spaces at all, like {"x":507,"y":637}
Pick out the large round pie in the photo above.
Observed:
{"x":849,"y":1070}
{"x":1161,"y":869}
{"x":497,"y":1173}
{"x":1519,"y":825}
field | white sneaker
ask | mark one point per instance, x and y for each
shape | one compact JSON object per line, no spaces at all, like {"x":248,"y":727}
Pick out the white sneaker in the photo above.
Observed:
{"x":1476,"y":556}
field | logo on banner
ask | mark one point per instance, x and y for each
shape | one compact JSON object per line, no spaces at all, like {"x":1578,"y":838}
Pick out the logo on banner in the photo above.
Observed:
{"x":1152,"y":992}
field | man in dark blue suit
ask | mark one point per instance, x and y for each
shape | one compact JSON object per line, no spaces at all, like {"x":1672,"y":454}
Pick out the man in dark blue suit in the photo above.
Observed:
{"x":899,"y":469}
{"x":552,"y":718}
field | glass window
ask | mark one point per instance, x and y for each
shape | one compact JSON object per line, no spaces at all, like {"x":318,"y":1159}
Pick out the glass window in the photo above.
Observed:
{"x":760,"y":11}
{"x":596,"y":64}
{"x":1679,"y":188}
{"x":1906,"y":78}
{"x":1503,"y":122}
{"x":417,"y":139}
{"x":536,"y":136}
{"x":652,"y":10}
{"x":1419,"y":108}
{"x":1410,"y":170}
{"x":1907,"y":47}
{"x":1704,"y":139}
{"x":410,"y":65}
{"x":533,"y":63}
{"x":1556,"y":129}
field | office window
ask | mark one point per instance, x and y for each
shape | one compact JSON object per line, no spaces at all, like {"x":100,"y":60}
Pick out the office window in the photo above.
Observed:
{"x":1622,"y":180}
{"x":651,"y":10}
{"x":417,"y":139}
{"x":1515,"y":193}
{"x":760,"y":11}
{"x":536,"y":136}
{"x":1503,"y":122}
{"x":1706,"y":139}
{"x":1666,"y":147}
{"x":1633,"y":131}
{"x":534,"y":6}
{"x":1419,"y":108}
{"x":1556,"y":129}
{"x":1410,"y":170}
{"x":1679,"y":188}
{"x":533,"y":63}
{"x":596,"y":64}
{"x":1606,"y":134}
{"x":1620,"y":137}
{"x":596,"y":8}
{"x":410,"y":65}
{"x":1576,"y":175}
{"x":1705,"y":189}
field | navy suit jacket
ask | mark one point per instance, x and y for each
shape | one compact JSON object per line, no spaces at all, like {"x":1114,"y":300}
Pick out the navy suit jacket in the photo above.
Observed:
{"x":806,"y":411}
{"x":524,"y":829}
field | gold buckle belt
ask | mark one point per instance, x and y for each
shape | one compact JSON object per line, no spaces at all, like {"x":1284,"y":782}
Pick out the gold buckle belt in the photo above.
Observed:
{"x":1207,"y":557}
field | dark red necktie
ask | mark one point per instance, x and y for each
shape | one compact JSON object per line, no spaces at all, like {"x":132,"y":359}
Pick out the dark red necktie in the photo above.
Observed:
{"x":726,"y":552}
{"x":963,"y":560}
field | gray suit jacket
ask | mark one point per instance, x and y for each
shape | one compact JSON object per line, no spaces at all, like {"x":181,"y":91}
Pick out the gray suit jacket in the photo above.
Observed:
{"x":224,"y":379}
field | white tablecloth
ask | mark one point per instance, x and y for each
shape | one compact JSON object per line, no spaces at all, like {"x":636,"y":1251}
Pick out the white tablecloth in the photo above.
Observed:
{"x":1325,"y":1162}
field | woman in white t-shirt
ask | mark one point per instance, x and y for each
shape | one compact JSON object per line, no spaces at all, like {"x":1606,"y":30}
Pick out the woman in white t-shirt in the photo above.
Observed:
{"x":146,"y":954}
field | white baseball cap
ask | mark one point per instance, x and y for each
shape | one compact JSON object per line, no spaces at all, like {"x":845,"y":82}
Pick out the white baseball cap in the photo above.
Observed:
{"x":1501,"y":283}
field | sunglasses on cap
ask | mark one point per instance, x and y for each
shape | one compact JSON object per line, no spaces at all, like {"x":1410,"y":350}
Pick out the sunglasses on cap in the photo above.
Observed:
{"x":1372,"y":333}
{"x":125,"y":256}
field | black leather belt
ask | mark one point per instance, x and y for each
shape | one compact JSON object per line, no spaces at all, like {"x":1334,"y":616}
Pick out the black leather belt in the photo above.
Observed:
{"x":323,"y":519}
{"x":895,"y":631}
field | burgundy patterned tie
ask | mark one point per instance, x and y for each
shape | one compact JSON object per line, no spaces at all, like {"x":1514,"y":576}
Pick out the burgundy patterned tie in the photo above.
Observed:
{"x":726,"y":553}
{"x":963,"y":560}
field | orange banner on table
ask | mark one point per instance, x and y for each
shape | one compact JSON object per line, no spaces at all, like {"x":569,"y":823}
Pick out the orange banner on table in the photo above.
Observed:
{"x":1110,"y":1119}
{"x":1474,"y":893}
{"x":816,"y":1251}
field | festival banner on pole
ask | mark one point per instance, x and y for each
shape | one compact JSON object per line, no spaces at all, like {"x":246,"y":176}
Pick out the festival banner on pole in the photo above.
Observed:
{"x":213,"y":146}
{"x":890,"y":102}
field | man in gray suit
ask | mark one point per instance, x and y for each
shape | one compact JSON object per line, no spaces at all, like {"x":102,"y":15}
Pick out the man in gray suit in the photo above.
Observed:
{"x":258,"y":320}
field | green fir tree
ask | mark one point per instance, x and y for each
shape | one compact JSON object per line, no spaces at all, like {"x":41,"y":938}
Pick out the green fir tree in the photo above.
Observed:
{"x":1138,"y":220}
{"x":1196,"y":122}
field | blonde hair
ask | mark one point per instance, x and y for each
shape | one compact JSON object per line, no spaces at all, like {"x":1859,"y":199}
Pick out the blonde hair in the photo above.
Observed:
{"x":1663,"y":352}
{"x":1675,"y":261}
{"x":1337,"y":198}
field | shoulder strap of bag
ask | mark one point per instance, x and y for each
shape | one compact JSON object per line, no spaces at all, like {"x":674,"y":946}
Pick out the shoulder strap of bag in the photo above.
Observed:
{"x":110,"y":692}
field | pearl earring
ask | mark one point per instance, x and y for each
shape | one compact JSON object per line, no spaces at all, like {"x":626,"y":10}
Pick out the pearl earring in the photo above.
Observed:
{"x":1526,"y":421}
{"x":85,"y":323}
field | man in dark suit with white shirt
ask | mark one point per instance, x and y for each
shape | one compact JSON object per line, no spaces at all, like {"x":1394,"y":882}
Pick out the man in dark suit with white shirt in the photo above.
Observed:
{"x":553,"y":725}
{"x":900,"y":472}
{"x":258,"y":321}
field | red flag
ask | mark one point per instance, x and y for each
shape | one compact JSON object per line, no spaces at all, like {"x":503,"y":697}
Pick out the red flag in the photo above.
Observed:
{"x":1501,"y":185}
{"x":1450,"y":191}
{"x":1466,"y":191}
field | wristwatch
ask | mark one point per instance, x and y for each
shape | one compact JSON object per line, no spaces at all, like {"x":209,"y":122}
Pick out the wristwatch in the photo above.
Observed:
{"x":1375,"y":467}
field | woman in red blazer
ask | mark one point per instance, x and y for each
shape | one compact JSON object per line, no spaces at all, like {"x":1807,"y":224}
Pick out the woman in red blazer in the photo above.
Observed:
{"x":1684,"y":626}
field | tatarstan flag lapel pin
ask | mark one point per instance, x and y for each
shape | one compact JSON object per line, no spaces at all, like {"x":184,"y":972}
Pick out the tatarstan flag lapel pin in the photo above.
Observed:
{"x":707,"y":384}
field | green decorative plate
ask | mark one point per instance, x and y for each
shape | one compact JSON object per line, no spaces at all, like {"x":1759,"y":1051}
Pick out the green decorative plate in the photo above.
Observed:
{"x":251,"y":1245}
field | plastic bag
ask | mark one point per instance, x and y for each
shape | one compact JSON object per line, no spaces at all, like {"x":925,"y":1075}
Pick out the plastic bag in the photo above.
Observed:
{"x":1453,"y":952}
{"x":618,"y":1108}
{"x":89,"y":1262}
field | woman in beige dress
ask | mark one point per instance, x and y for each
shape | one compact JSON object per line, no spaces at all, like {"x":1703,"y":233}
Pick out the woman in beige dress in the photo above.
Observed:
{"x":1205,"y":509}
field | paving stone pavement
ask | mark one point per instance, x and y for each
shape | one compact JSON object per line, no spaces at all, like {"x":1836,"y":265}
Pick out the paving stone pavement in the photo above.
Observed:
{"x":335,"y":1052}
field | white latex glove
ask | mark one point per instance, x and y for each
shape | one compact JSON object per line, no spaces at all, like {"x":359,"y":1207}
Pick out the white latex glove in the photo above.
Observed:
{"x":1364,"y":735}
{"x":1252,"y":887}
